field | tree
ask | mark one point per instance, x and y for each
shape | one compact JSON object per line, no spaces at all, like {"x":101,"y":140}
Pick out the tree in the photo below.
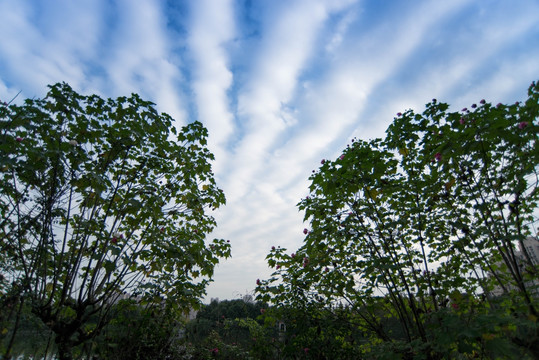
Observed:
{"x":233,"y":328}
{"x":137,"y":332}
{"x":102,"y":199}
{"x":238,"y":308}
{"x":426,"y":225}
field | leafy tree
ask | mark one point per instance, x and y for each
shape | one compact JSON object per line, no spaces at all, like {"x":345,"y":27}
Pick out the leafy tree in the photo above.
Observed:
{"x":102,"y":199}
{"x":140,"y":332}
{"x":231,"y":309}
{"x":33,"y":337}
{"x":234,"y":328}
{"x":315,"y":331}
{"x":425,"y":226}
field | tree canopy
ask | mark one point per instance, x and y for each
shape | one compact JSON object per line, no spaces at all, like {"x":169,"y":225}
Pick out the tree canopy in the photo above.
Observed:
{"x":102,"y":199}
{"x":426,"y":226}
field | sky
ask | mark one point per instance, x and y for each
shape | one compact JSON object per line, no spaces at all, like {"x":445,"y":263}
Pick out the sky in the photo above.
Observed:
{"x":280,"y":84}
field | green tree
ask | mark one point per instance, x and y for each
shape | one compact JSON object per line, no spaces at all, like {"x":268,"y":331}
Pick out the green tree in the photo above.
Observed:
{"x":424,"y":227}
{"x":140,"y":332}
{"x":234,"y":327}
{"x":102,"y":199}
{"x":238,"y":308}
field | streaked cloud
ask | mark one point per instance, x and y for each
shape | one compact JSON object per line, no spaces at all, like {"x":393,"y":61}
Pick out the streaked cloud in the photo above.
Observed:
{"x":138,"y":56}
{"x":212,"y":29}
{"x":46,"y":46}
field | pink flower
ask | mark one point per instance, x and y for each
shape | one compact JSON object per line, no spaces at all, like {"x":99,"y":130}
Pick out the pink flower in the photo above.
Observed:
{"x":258,"y":282}
{"x":399,"y":114}
{"x":464,"y":110}
{"x":482,"y":102}
{"x":322,"y":161}
{"x":341,"y":157}
{"x":462,"y":121}
{"x":18,"y":139}
{"x":293,"y":255}
{"x":306,"y":350}
{"x":438,"y":156}
{"x":273,"y":248}
{"x":326,"y":269}
{"x":522,"y":125}
{"x":262,"y":311}
{"x":278,"y":267}
{"x":215,"y":350}
{"x":499,"y":105}
{"x":305,"y":231}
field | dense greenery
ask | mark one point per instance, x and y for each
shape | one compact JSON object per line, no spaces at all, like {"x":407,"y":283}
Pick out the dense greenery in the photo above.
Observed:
{"x":422,"y":228}
{"x":231,"y":329}
{"x":101,"y":199}
{"x":413,"y":249}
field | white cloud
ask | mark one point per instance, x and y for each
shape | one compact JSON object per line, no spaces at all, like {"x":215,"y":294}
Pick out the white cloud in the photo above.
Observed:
{"x":7,"y":95}
{"x":47,"y":45}
{"x":254,"y":187}
{"x":285,"y":48}
{"x":140,"y":60}
{"x":212,"y":28}
{"x":342,"y":27}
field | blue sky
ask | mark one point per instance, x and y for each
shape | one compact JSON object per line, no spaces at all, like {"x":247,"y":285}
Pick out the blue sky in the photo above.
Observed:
{"x":279,"y":84}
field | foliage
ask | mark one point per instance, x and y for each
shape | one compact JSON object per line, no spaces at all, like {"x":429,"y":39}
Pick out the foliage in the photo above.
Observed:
{"x":214,"y":347}
{"x":137,"y":332}
{"x":423,"y":228}
{"x":34,"y":339}
{"x":100,"y":198}
{"x":230,"y":309}
{"x":234,"y":328}
{"x":316,"y":332}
